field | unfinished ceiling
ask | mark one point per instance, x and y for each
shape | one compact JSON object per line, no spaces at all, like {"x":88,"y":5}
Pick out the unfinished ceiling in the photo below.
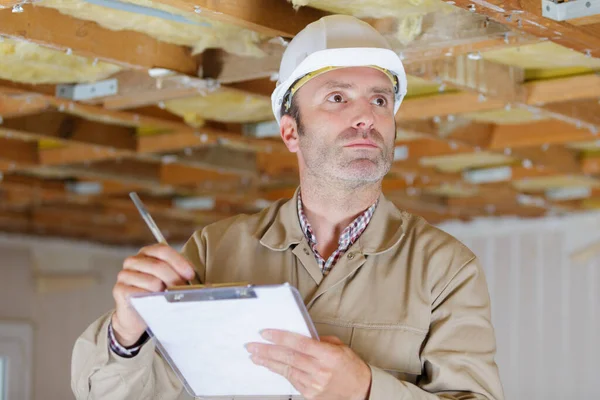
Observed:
{"x":170,"y":98}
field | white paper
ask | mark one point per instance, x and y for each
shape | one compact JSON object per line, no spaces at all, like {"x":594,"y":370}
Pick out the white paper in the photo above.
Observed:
{"x":205,"y":339}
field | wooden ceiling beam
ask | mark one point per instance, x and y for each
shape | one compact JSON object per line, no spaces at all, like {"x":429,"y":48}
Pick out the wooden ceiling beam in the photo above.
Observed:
{"x":174,"y":135}
{"x":422,"y":107}
{"x":20,"y":105}
{"x":502,"y":137}
{"x":481,"y":76}
{"x":18,"y":151}
{"x":62,"y":126}
{"x":267,"y":17}
{"x":583,"y":110}
{"x":74,"y":153}
{"x":183,"y":175}
{"x":556,"y":157}
{"x":591,"y":165}
{"x":563,"y":89}
{"x":526,"y":16}
{"x":540,"y":133}
{"x":538,"y":93}
{"x":138,"y":88}
{"x":48,"y":27}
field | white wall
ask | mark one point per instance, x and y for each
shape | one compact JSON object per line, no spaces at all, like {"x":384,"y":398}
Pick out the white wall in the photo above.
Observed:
{"x":545,"y":309}
{"x":58,"y":317}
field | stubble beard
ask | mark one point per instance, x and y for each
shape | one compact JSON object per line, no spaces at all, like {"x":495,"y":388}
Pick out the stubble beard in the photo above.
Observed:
{"x":338,"y":166}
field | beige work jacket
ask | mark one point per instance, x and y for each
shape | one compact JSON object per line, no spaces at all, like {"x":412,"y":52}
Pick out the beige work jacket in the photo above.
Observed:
{"x":409,"y":299}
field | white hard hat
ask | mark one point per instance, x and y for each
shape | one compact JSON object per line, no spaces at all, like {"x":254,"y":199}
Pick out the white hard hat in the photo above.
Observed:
{"x":331,"y":42}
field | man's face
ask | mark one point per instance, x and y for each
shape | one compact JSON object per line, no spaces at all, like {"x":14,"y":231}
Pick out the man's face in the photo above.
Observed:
{"x":346,"y":128}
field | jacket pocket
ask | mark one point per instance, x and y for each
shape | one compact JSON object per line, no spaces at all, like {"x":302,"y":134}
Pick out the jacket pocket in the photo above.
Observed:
{"x":389,"y":347}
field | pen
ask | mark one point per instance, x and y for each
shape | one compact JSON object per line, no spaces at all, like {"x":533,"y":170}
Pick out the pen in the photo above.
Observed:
{"x":149,"y":221}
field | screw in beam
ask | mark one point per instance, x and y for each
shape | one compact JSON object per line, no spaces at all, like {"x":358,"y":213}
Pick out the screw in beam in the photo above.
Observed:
{"x":474,"y":56}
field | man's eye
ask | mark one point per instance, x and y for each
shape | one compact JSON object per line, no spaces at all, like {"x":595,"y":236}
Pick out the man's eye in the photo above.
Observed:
{"x":336,"y":98}
{"x":380,"y":101}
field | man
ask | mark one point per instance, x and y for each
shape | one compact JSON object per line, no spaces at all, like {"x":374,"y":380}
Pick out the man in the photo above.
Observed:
{"x":401,"y":307}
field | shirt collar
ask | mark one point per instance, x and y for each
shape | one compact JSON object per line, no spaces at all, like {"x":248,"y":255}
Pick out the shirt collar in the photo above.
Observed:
{"x":348,"y":236}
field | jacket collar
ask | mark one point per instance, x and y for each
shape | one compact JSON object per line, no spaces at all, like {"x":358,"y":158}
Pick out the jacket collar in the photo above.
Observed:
{"x":382,"y":233}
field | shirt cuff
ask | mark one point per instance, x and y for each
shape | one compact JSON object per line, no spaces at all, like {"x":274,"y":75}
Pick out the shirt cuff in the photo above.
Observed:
{"x":123,"y":351}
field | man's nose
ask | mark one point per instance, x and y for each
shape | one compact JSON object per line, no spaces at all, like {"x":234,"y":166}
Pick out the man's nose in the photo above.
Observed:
{"x":364,"y":118}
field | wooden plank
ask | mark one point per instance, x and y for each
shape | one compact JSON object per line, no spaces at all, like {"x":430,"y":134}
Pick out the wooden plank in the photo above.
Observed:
{"x":277,"y":164}
{"x":18,"y":151}
{"x":585,"y":110}
{"x":172,"y":141}
{"x":455,"y":133}
{"x":19,"y":105}
{"x":74,"y":153}
{"x":445,"y":104}
{"x":174,"y":134}
{"x":189,"y":137}
{"x":53,"y":124}
{"x":268,"y":17}
{"x":537,"y":134}
{"x":48,"y":27}
{"x":262,"y":86}
{"x":538,"y":93}
{"x":221,"y":159}
{"x":526,"y":16}
{"x":429,"y":147}
{"x":229,"y":68}
{"x":563,"y":89}
{"x":556,"y":157}
{"x":183,"y":175}
{"x":135,"y":169}
{"x":589,"y":20}
{"x":481,"y":76}
{"x":137,"y":88}
{"x":591,"y":165}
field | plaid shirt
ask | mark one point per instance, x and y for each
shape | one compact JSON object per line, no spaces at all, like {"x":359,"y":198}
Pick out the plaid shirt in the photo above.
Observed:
{"x":347,"y":238}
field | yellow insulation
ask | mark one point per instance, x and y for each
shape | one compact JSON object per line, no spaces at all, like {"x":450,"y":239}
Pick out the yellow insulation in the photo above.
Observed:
{"x":421,"y":87}
{"x":224,"y":106}
{"x":589,"y":147}
{"x":502,"y":116}
{"x":452,"y":190}
{"x":591,"y":203}
{"x":554,"y":182}
{"x":27,"y":62}
{"x":409,"y":13}
{"x":459,"y":162}
{"x":208,"y":34}
{"x":544,"y":60}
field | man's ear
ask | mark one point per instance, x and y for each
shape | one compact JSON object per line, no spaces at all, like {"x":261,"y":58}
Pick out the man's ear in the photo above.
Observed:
{"x":288,"y":129}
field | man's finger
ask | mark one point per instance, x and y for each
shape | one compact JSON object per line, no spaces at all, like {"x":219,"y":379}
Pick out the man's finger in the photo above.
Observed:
{"x":331,"y":340}
{"x":285,"y":355}
{"x":171,"y":257}
{"x":140,"y":280}
{"x":295,"y":376}
{"x":297,"y":342}
{"x":156,"y":267}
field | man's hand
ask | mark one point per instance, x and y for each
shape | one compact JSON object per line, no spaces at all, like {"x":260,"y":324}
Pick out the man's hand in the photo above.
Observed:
{"x":153,"y":269}
{"x":326,"y":369}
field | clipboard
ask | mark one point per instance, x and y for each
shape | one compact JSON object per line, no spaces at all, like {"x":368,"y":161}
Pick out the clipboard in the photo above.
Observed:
{"x":201,"y":332}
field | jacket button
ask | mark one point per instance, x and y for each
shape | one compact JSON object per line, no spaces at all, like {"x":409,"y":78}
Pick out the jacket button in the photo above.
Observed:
{"x":350,"y":256}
